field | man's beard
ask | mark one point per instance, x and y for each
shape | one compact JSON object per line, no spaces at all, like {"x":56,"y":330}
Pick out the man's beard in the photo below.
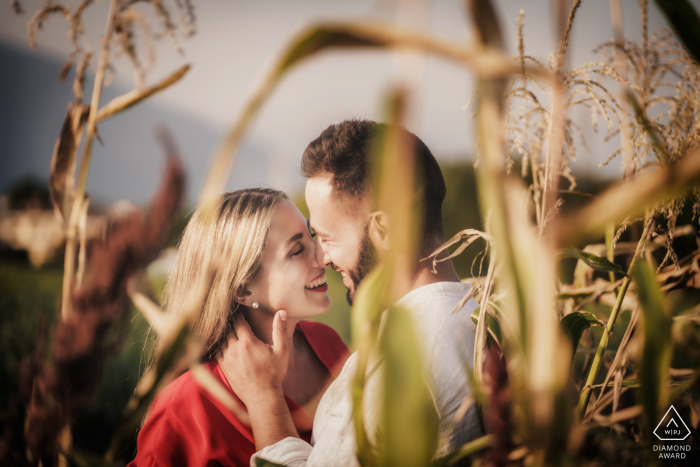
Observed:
{"x":364,"y":264}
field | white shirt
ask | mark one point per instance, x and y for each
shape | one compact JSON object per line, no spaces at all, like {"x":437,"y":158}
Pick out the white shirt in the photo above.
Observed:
{"x":448,"y":343}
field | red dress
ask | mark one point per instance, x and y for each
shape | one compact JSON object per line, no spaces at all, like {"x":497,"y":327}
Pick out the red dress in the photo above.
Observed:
{"x":188,"y":426}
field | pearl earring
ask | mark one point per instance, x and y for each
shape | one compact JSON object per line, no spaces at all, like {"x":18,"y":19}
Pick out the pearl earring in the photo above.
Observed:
{"x":255,"y":305}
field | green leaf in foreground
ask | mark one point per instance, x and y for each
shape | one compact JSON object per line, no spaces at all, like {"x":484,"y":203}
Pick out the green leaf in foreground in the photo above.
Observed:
{"x":573,"y":325}
{"x":656,"y":357}
{"x":685,"y":23}
{"x":409,"y":419}
{"x":494,"y":326}
{"x":597,"y":262}
{"x":465,"y":451}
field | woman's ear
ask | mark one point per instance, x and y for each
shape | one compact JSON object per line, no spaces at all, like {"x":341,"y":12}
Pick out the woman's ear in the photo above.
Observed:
{"x":242,"y":295}
{"x":379,"y":231}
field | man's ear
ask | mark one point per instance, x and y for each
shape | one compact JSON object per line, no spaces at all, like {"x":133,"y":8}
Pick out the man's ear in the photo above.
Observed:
{"x":242,"y":295}
{"x":379,"y":231}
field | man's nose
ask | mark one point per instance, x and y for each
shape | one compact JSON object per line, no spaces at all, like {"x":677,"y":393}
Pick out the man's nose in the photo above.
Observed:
{"x":322,"y":255}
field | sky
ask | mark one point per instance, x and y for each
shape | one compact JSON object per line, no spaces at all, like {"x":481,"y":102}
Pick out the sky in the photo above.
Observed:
{"x":235,"y":43}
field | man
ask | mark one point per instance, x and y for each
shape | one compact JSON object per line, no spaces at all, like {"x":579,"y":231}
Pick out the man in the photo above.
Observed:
{"x":350,"y":236}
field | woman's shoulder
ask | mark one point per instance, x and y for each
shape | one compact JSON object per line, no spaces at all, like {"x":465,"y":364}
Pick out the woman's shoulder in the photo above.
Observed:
{"x":184,"y":393}
{"x":183,"y":389}
{"x":184,"y":402}
{"x":188,"y":426}
{"x":327,"y":344}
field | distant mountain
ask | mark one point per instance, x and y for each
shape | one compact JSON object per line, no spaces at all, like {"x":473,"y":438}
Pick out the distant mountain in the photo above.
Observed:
{"x":32,"y":107}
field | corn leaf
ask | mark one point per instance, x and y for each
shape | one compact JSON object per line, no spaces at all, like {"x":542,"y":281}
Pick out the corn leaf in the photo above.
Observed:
{"x":465,"y":451}
{"x":123,"y":102}
{"x":596,"y":262}
{"x":629,"y":198}
{"x":494,"y":326}
{"x":410,"y":421}
{"x":685,"y":23}
{"x":656,"y":357}
{"x":365,"y":324}
{"x":62,"y":175}
{"x":573,"y":325}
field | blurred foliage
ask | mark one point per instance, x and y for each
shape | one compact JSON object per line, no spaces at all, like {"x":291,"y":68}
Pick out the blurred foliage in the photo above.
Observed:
{"x":27,"y":296}
{"x":29,"y":299}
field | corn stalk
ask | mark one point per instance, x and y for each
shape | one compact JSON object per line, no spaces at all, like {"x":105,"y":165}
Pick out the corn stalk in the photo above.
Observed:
{"x":69,"y":261}
{"x":602,"y":345}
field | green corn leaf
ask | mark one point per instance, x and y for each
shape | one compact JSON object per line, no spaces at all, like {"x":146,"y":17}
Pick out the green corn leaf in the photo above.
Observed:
{"x":573,"y":325}
{"x":656,"y":357}
{"x":494,"y":326}
{"x":465,"y":451}
{"x":409,"y":424}
{"x":685,"y":23}
{"x":597,"y":262}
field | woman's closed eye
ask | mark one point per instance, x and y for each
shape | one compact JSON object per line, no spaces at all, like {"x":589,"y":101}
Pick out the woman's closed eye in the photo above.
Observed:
{"x":299,"y":250}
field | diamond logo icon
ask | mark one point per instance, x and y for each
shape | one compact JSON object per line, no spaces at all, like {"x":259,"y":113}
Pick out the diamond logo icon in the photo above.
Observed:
{"x":672,"y":427}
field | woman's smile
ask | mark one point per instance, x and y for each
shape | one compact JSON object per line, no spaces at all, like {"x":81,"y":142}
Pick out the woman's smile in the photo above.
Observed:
{"x":317,"y":284}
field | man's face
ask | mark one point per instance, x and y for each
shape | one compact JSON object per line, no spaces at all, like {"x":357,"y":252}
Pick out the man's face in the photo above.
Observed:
{"x":341,"y":229}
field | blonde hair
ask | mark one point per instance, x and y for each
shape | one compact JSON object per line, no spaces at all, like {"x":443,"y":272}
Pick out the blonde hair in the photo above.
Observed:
{"x":232,"y":243}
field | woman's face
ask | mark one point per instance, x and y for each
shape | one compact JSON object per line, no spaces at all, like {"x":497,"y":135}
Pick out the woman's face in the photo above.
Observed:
{"x":290,"y":277}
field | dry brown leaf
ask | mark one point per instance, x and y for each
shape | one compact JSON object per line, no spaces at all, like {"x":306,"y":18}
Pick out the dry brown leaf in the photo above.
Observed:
{"x":62,"y":176}
{"x":129,"y":99}
{"x":622,"y":415}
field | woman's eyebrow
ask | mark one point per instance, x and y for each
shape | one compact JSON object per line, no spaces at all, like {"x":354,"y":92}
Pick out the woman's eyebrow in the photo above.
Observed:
{"x":295,"y":238}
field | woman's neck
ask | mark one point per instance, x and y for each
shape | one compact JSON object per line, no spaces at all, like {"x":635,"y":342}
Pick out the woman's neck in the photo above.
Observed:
{"x":261,"y":324}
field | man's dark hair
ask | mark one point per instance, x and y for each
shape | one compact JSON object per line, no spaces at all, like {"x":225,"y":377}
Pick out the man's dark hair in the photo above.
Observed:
{"x":344,"y":150}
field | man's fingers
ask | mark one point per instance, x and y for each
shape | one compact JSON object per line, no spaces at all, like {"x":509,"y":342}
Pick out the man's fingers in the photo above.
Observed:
{"x":242,"y":328}
{"x":279,"y":333}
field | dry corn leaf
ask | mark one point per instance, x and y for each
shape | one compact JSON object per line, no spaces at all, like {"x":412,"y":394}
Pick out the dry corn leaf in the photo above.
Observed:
{"x":132,"y":98}
{"x":630,"y":199}
{"x":62,"y":175}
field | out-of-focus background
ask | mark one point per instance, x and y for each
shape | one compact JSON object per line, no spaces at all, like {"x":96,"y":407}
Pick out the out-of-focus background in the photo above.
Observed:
{"x":234,"y":44}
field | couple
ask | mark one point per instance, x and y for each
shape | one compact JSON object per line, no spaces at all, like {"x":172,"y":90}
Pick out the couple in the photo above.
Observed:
{"x":293,"y":376}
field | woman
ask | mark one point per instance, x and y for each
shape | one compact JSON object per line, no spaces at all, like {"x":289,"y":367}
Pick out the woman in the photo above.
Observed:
{"x":265,"y":260}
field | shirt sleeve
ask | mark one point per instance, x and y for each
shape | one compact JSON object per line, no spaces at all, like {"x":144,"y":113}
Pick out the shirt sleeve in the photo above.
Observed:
{"x":334,"y":429}
{"x":291,"y":452}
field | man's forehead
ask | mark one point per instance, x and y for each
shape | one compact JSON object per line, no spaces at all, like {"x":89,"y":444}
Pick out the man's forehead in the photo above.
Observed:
{"x":326,"y":205}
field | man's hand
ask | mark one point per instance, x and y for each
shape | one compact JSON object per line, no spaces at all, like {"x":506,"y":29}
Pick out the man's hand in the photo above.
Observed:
{"x":255,"y":369}
{"x":256,"y":372}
